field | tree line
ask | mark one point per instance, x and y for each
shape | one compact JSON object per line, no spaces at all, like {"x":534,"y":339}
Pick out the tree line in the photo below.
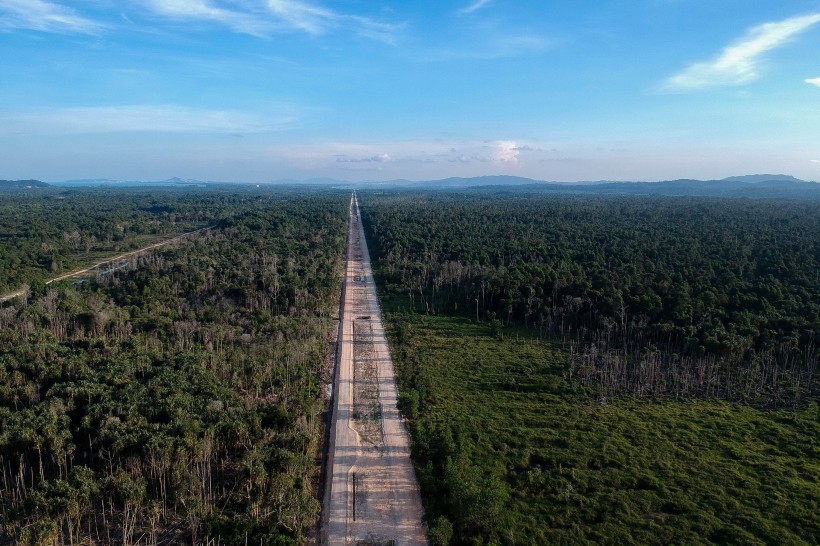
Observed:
{"x":657,"y":296}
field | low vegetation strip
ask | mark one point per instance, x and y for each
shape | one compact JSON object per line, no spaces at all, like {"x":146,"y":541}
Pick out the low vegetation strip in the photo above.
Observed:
{"x":508,"y":451}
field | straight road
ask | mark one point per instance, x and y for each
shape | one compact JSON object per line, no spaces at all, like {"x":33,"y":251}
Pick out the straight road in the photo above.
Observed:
{"x":372,"y":496}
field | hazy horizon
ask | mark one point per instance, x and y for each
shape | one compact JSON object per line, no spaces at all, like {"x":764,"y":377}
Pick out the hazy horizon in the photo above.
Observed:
{"x":329,"y":180}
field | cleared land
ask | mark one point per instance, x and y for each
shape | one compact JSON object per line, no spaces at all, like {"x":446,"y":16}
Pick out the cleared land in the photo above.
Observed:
{"x":372,"y":495}
{"x":512,"y":453}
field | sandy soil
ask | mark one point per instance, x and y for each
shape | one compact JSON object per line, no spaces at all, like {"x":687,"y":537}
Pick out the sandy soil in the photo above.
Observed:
{"x":372,"y":496}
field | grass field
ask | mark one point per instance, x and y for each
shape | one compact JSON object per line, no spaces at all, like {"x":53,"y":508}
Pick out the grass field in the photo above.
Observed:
{"x":510,"y":451}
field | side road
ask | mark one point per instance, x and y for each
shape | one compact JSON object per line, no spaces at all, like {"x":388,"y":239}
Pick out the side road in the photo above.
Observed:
{"x":107,"y":261}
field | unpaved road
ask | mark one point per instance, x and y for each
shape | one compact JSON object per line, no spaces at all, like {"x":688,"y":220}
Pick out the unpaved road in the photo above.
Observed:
{"x":80,"y":272}
{"x":372,"y":496}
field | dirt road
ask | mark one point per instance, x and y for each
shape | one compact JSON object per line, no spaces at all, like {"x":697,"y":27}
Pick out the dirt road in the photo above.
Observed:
{"x":107,"y":261}
{"x":372,"y":495}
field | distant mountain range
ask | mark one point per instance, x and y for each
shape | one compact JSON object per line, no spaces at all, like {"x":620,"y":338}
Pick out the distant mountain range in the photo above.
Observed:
{"x":502,"y":180}
{"x":777,"y":186}
{"x":21,"y":184}
{"x":98,"y":182}
{"x":757,"y":178}
{"x":771,"y":186}
{"x":752,"y":186}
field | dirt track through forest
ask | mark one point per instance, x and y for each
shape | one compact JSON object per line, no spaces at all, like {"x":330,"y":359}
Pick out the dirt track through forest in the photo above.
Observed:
{"x":107,"y":261}
{"x":372,"y":496}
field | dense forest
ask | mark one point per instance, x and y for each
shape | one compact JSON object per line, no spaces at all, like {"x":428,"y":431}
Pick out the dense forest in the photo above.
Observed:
{"x":612,"y":370}
{"x":179,"y":400}
{"x":55,"y":230}
{"x":681,"y":296}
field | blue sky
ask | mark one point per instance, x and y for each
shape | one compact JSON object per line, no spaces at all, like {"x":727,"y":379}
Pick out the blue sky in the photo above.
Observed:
{"x":260,"y":90}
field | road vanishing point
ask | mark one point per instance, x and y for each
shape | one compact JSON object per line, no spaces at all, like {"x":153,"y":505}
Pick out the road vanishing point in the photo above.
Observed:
{"x":371,"y":494}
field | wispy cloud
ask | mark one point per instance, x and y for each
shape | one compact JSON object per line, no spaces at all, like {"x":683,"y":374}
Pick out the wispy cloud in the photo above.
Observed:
{"x":244,"y":22}
{"x":141,"y":118}
{"x":813,"y":81}
{"x":44,"y":16}
{"x":316,"y":20}
{"x":738,"y":63}
{"x":309,"y":18}
{"x":475,"y":6}
{"x":491,"y":47}
{"x":264,"y":17}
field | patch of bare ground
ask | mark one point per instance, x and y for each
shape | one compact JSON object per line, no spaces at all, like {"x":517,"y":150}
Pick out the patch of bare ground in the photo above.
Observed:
{"x":367,"y":411}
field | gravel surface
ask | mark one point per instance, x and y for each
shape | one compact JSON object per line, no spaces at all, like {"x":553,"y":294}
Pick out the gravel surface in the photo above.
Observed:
{"x":372,"y":497}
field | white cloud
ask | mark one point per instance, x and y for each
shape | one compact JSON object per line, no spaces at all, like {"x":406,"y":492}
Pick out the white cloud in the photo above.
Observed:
{"x":303,"y":16}
{"x":475,"y":6}
{"x":246,"y":22}
{"x":263,"y":17}
{"x":737,"y":63}
{"x":380,"y":158}
{"x":506,"y":151}
{"x":437,"y":157}
{"x":813,"y":81}
{"x":815,"y":160}
{"x":140,"y":118}
{"x":317,"y":20}
{"x":44,"y":16}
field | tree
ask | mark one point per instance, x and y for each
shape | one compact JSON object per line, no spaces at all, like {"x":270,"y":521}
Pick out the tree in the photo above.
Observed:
{"x":441,"y":532}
